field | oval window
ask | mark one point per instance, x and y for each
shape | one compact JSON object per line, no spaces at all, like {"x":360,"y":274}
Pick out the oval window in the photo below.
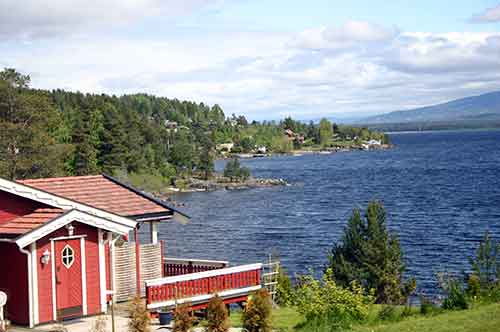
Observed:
{"x":68,"y":256}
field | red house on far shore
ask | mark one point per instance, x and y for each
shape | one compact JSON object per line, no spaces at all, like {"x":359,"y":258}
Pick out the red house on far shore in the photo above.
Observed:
{"x":57,"y":238}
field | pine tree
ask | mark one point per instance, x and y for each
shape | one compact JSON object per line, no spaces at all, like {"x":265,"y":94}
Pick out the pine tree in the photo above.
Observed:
{"x":113,"y":151}
{"x":28,"y":126}
{"x":371,"y":256}
{"x":85,"y":155}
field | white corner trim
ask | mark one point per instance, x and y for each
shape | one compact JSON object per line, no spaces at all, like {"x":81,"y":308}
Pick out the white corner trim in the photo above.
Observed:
{"x":59,"y":202}
{"x":71,"y":216}
{"x":102,"y":270}
{"x":205,"y":274}
{"x":84,"y":275}
{"x":53,"y":267}
{"x":34,"y":285}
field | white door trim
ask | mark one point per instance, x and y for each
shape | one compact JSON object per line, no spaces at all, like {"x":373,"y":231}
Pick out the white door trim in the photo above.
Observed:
{"x":83,"y":273}
{"x":102,"y":270}
{"x":54,"y":297}
{"x":34,"y":284}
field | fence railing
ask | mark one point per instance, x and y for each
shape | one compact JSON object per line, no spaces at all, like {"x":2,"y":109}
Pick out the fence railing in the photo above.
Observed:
{"x":200,"y":287}
{"x":180,"y":266}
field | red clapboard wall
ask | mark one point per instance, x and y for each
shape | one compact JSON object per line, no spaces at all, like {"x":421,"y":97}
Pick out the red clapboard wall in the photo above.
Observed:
{"x":14,"y":282}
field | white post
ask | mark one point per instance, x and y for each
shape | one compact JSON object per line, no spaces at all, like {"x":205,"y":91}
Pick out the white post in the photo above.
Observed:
{"x":3,"y":301}
{"x":154,"y":232}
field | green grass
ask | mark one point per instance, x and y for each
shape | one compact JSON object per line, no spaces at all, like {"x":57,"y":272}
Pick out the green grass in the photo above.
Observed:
{"x":483,"y":318}
{"x":283,"y":319}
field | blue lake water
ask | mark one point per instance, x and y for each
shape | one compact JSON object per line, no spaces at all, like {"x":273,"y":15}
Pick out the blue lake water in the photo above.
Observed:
{"x":441,"y":191}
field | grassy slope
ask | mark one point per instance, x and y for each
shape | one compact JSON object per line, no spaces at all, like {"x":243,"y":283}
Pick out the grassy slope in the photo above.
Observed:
{"x":283,"y":318}
{"x":481,"y":319}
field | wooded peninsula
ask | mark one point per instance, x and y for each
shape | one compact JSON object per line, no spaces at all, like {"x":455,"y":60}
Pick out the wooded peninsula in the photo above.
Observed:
{"x":151,"y":142}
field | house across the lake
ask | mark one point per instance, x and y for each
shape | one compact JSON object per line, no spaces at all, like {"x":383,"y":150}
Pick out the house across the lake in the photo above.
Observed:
{"x":67,"y":245}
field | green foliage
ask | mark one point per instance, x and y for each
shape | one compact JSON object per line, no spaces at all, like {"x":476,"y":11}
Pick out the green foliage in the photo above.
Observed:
{"x":486,"y":263}
{"x":325,"y":132}
{"x":29,"y":125}
{"x":389,"y":313}
{"x":456,"y":297}
{"x":57,"y":133}
{"x":235,"y":172}
{"x":284,"y":289}
{"x":257,"y":313}
{"x":318,"y":299}
{"x":371,"y":256}
{"x":139,"y":316}
{"x":183,"y":320}
{"x":217,"y":315}
{"x":427,"y":307}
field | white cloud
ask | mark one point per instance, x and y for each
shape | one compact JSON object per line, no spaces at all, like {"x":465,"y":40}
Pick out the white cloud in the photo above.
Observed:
{"x":357,"y":68}
{"x":32,"y":19}
{"x":352,"y":33}
{"x":490,"y":15}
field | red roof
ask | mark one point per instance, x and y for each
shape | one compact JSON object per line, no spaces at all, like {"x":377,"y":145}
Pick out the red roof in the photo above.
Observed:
{"x":100,"y":192}
{"x":26,"y":223}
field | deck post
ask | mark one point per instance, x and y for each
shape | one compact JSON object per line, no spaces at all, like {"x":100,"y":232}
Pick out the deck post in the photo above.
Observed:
{"x":137,"y":261}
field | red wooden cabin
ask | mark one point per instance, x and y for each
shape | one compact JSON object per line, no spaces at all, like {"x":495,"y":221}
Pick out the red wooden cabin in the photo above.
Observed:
{"x":56,"y":243}
{"x":60,"y":253}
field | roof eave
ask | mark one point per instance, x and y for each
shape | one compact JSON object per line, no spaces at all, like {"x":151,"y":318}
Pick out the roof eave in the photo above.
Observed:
{"x":145,"y":195}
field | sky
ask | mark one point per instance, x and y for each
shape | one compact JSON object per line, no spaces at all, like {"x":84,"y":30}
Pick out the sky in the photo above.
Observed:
{"x":265,"y":59}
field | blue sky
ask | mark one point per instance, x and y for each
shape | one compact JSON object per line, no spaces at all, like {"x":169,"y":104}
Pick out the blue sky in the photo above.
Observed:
{"x":264,"y":59}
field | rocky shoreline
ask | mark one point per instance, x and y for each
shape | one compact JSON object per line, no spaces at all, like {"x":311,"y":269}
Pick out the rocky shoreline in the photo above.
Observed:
{"x":222,"y":183}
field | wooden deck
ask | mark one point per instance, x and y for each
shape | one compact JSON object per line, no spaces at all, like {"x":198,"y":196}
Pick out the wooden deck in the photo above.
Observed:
{"x":233,"y":284}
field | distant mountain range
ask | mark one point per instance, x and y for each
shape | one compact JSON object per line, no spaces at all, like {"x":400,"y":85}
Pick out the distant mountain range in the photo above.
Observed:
{"x":482,"y":109}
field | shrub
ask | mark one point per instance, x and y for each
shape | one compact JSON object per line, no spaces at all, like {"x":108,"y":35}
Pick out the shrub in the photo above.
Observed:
{"x":183,"y":321}
{"x":427,"y":307}
{"x":324,"y":298}
{"x":456,"y":298}
{"x":388,"y":313}
{"x":99,"y":325}
{"x":257,"y":314}
{"x":217,"y":315}
{"x":139,"y":316}
{"x":486,"y":264}
{"x":473,"y":286}
{"x":284,"y":290}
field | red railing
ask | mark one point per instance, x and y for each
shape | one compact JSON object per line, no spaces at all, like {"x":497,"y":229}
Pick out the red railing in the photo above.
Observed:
{"x":202,"y":286}
{"x":178,"y":266}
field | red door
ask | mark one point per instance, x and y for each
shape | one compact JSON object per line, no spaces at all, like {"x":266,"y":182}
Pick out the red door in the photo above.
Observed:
{"x":68,"y":264}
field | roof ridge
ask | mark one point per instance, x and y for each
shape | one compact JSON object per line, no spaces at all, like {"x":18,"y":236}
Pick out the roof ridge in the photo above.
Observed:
{"x":61,"y":178}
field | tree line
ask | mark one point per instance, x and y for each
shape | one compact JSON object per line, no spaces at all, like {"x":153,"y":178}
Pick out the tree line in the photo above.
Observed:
{"x":56,"y":133}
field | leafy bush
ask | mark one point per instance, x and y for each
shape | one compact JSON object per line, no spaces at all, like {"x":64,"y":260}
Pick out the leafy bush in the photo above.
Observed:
{"x":486,"y":263}
{"x":388,"y":313}
{"x":183,"y":321}
{"x":139,"y":316}
{"x":99,"y":325}
{"x":318,"y":299}
{"x":456,"y":297}
{"x":473,"y":286}
{"x":217,"y":315}
{"x":284,"y":290}
{"x":427,"y":307}
{"x":257,"y":314}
